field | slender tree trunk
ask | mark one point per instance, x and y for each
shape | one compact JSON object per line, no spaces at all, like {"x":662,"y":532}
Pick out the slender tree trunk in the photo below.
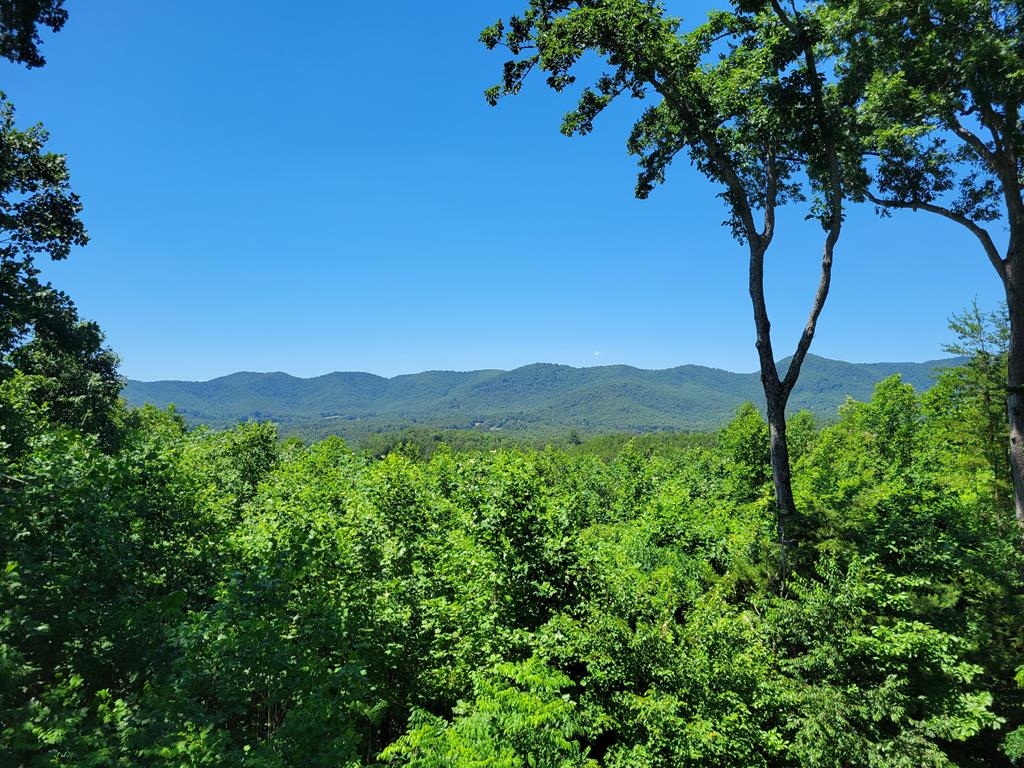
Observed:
{"x":779,"y":455}
{"x":776,"y":394}
{"x":776,"y":388}
{"x":1014,"y":283}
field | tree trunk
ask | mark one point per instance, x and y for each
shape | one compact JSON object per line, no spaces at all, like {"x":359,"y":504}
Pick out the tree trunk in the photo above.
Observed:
{"x":779,"y":455}
{"x":776,"y":394}
{"x":1015,"y":383}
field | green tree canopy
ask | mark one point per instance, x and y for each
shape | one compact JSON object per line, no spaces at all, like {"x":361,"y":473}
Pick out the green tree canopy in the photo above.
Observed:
{"x":40,"y":330}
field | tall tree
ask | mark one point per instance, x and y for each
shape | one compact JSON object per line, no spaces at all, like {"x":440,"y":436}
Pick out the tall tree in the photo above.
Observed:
{"x":39,"y":216}
{"x":939,"y":118}
{"x":38,"y":209}
{"x":742,"y":96}
{"x":41,"y":333}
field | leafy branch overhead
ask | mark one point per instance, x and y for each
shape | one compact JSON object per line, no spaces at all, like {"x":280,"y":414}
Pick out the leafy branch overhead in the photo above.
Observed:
{"x":939,"y":118}
{"x":733,"y":94}
{"x":20,"y":21}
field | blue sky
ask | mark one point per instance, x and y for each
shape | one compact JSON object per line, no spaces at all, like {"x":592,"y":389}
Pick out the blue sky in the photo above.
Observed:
{"x":329,"y":191}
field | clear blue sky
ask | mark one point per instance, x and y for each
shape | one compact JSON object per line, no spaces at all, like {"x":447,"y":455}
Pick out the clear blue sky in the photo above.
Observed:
{"x":327,"y":190}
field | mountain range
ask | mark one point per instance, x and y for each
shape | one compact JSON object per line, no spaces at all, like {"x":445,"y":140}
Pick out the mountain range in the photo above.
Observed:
{"x":538,"y":398}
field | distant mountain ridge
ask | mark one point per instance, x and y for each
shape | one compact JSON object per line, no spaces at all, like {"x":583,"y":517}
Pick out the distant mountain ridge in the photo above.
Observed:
{"x":534,"y":398}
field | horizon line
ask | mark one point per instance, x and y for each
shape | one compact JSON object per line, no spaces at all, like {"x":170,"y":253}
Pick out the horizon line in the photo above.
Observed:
{"x":534,"y":364}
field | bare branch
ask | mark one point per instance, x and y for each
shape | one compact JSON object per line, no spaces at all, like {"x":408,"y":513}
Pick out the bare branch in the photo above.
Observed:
{"x":771,"y":198}
{"x":973,"y":140}
{"x":980,"y":232}
{"x":820,"y":295}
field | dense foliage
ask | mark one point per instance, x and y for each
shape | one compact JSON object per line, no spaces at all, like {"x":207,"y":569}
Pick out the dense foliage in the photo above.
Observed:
{"x":224,"y":598}
{"x":20,"y":21}
{"x":177,"y":597}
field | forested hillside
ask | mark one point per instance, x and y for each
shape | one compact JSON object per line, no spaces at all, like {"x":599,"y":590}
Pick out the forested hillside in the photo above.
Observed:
{"x":533,"y":399}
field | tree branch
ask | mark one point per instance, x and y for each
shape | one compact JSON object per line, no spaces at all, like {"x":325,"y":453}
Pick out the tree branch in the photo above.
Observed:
{"x":820,"y":295}
{"x":974,"y":141}
{"x":770,"y":199}
{"x":835,"y":194}
{"x":980,"y":232}
{"x":718,"y":155}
